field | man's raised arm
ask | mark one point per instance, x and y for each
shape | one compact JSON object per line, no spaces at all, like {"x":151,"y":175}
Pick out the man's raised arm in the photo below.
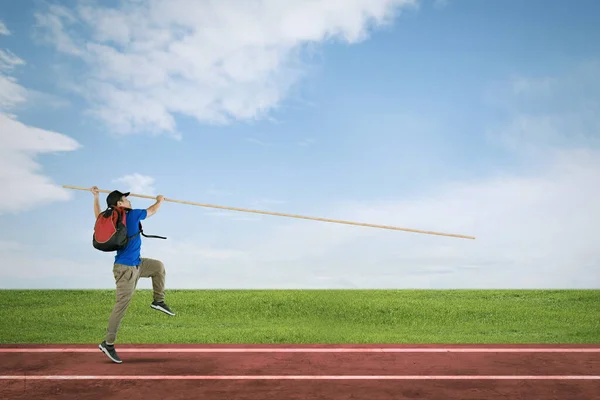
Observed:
{"x":96,"y":193}
{"x":154,"y":207}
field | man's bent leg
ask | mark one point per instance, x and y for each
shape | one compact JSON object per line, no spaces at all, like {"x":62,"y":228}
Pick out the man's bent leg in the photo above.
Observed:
{"x":126,"y":279}
{"x":155,"y":269}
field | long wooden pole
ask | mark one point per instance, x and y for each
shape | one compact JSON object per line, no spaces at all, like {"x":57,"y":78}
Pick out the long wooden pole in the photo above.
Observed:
{"x":284,"y":215}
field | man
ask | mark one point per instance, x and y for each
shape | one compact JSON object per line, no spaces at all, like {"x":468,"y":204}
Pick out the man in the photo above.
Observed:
{"x":129,"y":267}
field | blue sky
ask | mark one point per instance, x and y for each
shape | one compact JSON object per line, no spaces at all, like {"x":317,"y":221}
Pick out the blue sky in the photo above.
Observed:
{"x":468,"y":117}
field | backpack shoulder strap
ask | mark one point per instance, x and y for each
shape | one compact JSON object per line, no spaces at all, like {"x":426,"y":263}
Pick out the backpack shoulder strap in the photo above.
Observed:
{"x":148,"y":236}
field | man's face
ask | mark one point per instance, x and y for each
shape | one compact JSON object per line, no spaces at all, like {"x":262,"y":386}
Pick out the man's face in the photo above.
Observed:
{"x":124,"y":202}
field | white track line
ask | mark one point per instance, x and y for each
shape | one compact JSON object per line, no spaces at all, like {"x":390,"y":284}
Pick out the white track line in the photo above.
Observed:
{"x":306,"y":350}
{"x":300,"y":377}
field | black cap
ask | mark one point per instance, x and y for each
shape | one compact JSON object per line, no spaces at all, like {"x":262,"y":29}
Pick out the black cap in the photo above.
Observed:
{"x":115,"y":196}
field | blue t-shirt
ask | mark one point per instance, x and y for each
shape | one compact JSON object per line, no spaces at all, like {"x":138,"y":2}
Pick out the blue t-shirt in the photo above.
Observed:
{"x":130,"y":255}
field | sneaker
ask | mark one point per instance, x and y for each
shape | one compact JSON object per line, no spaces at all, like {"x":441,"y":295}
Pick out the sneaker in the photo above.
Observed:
{"x":161,"y":306}
{"x":110,"y":352}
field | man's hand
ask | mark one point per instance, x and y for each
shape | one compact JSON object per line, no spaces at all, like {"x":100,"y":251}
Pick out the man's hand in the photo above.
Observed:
{"x":96,"y":192}
{"x":160,"y":198}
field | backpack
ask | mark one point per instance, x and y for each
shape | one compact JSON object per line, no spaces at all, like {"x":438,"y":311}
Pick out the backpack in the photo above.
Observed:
{"x":110,"y":230}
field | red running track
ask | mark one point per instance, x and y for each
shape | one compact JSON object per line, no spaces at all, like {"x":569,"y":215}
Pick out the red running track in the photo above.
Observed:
{"x":280,"y":372}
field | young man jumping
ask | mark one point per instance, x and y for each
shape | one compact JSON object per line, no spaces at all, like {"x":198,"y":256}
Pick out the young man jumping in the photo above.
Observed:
{"x":129,"y":267}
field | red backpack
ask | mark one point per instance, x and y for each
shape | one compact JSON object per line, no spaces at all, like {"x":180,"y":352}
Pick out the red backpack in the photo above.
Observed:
{"x":110,"y":230}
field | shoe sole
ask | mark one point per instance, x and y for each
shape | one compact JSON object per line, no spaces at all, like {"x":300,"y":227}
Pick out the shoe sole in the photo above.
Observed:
{"x":159,"y":308}
{"x":102,"y":349}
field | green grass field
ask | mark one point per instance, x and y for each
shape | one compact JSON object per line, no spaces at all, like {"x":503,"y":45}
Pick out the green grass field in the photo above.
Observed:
{"x":307,"y":316}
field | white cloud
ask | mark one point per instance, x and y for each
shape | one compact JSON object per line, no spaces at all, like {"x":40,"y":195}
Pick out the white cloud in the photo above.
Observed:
{"x":214,"y":61}
{"x":3,"y":29}
{"x":8,"y":60}
{"x":11,"y":93}
{"x":137,"y":183}
{"x":54,"y":22}
{"x":20,"y":177}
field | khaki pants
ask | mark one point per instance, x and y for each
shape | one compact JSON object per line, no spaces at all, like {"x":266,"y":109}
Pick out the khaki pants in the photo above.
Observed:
{"x":126,"y":279}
